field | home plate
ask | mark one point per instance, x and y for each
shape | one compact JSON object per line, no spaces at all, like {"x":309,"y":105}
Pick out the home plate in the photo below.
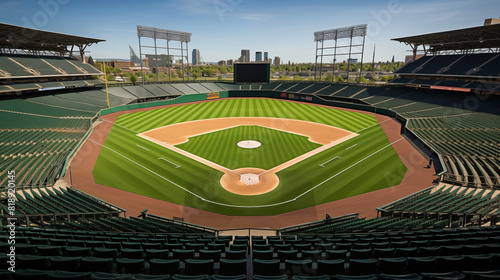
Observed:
{"x":249,"y":179}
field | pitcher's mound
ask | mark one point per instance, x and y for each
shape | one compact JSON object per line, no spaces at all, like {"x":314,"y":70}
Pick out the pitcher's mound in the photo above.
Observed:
{"x":249,"y":144}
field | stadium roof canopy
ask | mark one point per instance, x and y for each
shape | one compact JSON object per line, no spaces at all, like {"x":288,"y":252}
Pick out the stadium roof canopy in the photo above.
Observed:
{"x":481,"y":37}
{"x":21,"y":38}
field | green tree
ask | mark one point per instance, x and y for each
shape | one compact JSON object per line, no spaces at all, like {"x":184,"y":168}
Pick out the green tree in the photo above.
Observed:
{"x":338,"y":79}
{"x":133,"y":78}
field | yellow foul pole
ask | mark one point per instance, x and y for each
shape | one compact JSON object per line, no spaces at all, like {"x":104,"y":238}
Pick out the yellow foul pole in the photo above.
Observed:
{"x":106,"y":82}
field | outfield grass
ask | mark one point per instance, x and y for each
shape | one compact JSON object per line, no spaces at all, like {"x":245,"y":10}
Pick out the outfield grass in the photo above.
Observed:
{"x":276,"y":147}
{"x":362,"y":164}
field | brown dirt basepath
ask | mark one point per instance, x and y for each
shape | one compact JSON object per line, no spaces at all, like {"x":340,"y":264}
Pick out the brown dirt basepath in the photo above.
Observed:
{"x":416,"y":178}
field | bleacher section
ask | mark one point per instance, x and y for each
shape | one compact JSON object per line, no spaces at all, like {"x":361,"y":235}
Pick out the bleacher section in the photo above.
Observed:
{"x":470,"y":71}
{"x":484,"y":65}
{"x":462,"y":204}
{"x":37,"y":155}
{"x":16,"y":66}
{"x":57,"y":201}
{"x":42,"y":130}
{"x":419,"y":254}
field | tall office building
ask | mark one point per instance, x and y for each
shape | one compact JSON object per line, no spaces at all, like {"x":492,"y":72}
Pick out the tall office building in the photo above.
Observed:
{"x":277,"y":61}
{"x":245,"y":56}
{"x":266,"y":56}
{"x":258,"y":56}
{"x":196,"y":57}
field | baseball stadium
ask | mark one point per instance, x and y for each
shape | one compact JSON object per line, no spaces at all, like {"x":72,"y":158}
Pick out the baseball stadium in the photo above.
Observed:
{"x":251,"y":178}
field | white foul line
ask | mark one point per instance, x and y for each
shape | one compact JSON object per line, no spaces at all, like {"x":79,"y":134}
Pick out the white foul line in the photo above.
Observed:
{"x":176,"y":166}
{"x":120,"y":126}
{"x":323,"y":164}
{"x":373,"y":125}
{"x":142,"y":147}
{"x":351,"y":146}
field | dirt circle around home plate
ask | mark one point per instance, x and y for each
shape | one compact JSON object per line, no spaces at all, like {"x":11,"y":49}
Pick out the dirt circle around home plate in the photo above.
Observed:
{"x":249,"y":181}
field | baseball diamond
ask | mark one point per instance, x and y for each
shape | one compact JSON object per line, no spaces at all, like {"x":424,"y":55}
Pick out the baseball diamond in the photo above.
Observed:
{"x":173,"y":171}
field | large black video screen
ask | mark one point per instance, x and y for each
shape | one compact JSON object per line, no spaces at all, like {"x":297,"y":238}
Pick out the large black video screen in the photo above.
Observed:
{"x":252,"y":72}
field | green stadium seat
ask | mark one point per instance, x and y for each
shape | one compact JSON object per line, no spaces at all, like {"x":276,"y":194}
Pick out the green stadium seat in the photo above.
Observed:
{"x":93,"y":264}
{"x":161,"y":266}
{"x":68,"y":275}
{"x":406,"y":252}
{"x":383,"y":253}
{"x":313,"y":255}
{"x":412,"y":276}
{"x":362,"y":266}
{"x":194,"y":246}
{"x":197,"y":267}
{"x":31,"y":274}
{"x":336,"y":254}
{"x":261,"y":247}
{"x":483,"y":262}
{"x":266,"y":267}
{"x":233,"y":266}
{"x":330,"y":267}
{"x":48,"y":250}
{"x":238,"y":247}
{"x":235,"y":255}
{"x":109,"y":276}
{"x":33,"y":262}
{"x":132,"y":266}
{"x":65,"y":263}
{"x":150,"y":245}
{"x":298,"y":267}
{"x":421,"y":264}
{"x":360,"y":254}
{"x":392,"y":265}
{"x":25,"y":249}
{"x":105,"y":252}
{"x":132,"y":253}
{"x":270,"y":277}
{"x":262,"y":254}
{"x":157,"y":253}
{"x":229,"y":277}
{"x":442,"y":276}
{"x":357,"y":277}
{"x":150,"y":277}
{"x":78,"y":252}
{"x":303,"y":246}
{"x":214,"y":255}
{"x":287,"y":255}
{"x":190,"y":277}
{"x":311,"y":277}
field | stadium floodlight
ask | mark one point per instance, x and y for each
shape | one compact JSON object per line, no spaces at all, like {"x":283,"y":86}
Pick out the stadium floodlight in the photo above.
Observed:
{"x":349,"y":32}
{"x":341,"y":33}
{"x":168,"y":35}
{"x":164,"y":34}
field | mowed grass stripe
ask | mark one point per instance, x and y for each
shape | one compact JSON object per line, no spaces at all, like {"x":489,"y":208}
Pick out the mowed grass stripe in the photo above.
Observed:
{"x":143,"y":121}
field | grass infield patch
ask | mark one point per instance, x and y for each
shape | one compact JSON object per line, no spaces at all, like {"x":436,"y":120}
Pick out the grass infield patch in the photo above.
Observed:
{"x":276,"y":147}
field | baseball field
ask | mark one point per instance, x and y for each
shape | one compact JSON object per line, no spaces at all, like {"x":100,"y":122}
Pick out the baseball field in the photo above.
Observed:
{"x":195,"y":155}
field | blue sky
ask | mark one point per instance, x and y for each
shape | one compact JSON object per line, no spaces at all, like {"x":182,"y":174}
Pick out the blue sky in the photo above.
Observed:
{"x":221,"y":28}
